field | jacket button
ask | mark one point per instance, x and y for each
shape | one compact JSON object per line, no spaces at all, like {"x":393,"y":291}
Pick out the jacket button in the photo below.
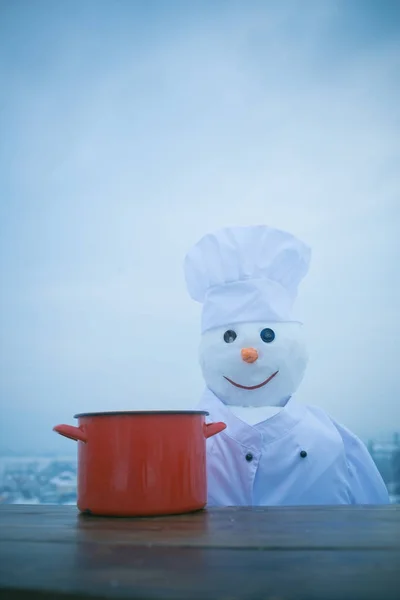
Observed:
{"x":303,"y":454}
{"x":249,"y":457}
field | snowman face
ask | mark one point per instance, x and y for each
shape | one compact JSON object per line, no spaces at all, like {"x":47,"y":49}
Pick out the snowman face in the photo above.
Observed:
{"x":254,"y":364}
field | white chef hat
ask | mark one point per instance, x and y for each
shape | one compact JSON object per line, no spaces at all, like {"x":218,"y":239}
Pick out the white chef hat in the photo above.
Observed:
{"x":245,"y":274}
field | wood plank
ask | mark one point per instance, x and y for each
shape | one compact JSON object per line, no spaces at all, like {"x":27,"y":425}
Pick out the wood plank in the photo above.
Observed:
{"x":118,"y":571}
{"x":287,"y":553}
{"x":281,"y":528}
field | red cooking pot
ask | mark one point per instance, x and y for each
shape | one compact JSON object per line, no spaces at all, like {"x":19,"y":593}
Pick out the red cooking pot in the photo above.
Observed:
{"x":141,"y":463}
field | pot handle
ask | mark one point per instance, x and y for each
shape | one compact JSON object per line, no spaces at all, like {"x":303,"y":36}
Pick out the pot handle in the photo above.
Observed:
{"x":211,"y":429}
{"x":73,"y":433}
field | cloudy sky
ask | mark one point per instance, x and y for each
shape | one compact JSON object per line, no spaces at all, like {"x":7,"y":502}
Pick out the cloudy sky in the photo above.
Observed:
{"x":128,"y":129}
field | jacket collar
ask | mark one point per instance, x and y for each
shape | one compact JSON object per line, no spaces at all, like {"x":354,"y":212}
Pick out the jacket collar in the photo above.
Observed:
{"x":268,"y":431}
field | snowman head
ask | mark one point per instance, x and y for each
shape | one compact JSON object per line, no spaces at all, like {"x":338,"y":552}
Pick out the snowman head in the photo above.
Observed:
{"x":254,"y":364}
{"x":252,"y":351}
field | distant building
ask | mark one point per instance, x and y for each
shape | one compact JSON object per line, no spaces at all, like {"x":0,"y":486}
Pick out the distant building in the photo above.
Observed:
{"x":396,"y":471}
{"x":38,"y":481}
{"x":64,"y":483}
{"x":386,"y":455}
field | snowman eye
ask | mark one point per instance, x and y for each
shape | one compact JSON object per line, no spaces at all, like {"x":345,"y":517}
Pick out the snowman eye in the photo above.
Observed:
{"x":267,"y":335}
{"x":230,"y":336}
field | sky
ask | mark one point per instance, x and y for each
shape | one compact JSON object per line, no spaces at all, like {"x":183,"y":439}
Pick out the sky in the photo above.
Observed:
{"x":129,"y":129}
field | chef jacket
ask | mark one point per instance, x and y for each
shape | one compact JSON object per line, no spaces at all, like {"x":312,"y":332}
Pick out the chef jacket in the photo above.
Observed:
{"x":300,"y":456}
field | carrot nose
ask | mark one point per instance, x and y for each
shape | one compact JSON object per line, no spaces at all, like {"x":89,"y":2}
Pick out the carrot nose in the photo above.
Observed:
{"x":249,"y":355}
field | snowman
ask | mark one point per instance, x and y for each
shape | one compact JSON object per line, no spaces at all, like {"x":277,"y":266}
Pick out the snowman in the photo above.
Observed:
{"x":275,"y":450}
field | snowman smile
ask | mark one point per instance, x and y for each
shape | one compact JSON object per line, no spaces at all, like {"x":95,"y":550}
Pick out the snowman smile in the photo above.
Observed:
{"x":251,"y":387}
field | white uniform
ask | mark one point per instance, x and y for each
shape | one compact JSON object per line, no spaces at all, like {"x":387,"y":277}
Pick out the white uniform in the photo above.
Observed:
{"x":300,"y":456}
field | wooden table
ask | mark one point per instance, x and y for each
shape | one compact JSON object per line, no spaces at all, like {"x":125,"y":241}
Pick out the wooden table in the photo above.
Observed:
{"x":343,"y":553}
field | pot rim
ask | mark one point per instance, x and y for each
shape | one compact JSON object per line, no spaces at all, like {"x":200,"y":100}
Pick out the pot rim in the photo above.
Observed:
{"x":116,"y":413}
